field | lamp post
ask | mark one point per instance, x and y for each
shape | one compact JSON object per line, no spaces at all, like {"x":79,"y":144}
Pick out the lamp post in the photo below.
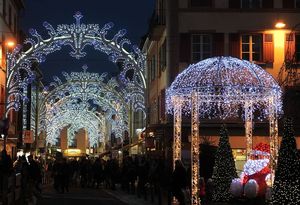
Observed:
{"x":8,"y":45}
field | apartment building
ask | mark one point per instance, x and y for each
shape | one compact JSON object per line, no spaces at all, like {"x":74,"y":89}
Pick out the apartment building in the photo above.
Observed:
{"x":9,"y":37}
{"x":182,"y":32}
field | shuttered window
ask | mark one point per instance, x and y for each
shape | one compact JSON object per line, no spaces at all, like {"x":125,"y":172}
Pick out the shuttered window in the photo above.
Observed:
{"x":201,"y":47}
{"x":185,"y":48}
{"x":289,"y":46}
{"x":234,"y":45}
{"x":218,"y":44}
{"x":152,"y":67}
{"x":268,"y":48}
{"x":163,"y":56}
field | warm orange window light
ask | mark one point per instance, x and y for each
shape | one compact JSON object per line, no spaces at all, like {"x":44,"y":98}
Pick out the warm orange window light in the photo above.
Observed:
{"x":10,"y":43}
{"x":280,"y":24}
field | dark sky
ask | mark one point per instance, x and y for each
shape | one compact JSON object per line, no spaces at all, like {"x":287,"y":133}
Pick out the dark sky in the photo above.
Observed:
{"x":132,"y":15}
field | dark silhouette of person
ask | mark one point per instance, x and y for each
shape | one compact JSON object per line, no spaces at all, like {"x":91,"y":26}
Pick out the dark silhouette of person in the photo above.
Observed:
{"x":179,"y":182}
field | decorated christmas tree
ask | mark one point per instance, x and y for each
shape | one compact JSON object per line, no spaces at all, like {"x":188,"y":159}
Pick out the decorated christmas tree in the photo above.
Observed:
{"x":286,"y":188}
{"x":224,"y":169}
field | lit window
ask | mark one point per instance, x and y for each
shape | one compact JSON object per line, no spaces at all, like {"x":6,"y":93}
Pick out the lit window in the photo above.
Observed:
{"x":201,"y":47}
{"x":251,"y":47}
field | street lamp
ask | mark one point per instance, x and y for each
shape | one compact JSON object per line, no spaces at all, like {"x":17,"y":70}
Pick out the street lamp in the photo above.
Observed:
{"x":279,"y":24}
{"x":10,"y":43}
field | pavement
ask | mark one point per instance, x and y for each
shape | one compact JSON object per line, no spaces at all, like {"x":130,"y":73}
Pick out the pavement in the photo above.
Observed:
{"x":80,"y":196}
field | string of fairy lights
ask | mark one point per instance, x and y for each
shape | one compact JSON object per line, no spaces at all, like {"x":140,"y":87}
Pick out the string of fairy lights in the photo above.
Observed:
{"x":95,"y":100}
{"x":223,"y":87}
{"x":77,"y":36}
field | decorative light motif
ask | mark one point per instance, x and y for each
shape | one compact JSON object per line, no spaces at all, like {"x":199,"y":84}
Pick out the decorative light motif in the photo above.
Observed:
{"x":84,"y":93}
{"x":254,"y":166}
{"x":224,"y":84}
{"x":177,"y":130}
{"x":223,"y":87}
{"x":195,"y":149}
{"x":77,"y":36}
{"x":76,"y":115}
{"x":248,"y":126}
{"x":274,"y":141}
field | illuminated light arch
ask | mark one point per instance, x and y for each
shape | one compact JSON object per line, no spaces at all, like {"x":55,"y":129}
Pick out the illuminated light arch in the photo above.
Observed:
{"x":88,"y":90}
{"x":76,"y":116}
{"x":221,"y":87}
{"x":77,"y":36}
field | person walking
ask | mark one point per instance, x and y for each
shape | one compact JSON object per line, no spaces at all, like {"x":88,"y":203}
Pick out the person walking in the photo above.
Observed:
{"x":179,"y":182}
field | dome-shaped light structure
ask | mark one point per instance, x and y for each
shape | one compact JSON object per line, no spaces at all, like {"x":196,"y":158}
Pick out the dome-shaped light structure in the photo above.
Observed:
{"x":224,"y":84}
{"x":223,"y":87}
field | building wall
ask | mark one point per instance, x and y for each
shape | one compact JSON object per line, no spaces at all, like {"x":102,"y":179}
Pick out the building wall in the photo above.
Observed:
{"x":225,"y":22}
{"x":81,"y":137}
{"x":9,"y":28}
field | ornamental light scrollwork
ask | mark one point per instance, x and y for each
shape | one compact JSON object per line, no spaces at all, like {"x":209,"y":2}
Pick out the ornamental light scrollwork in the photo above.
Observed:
{"x":96,"y":93}
{"x":77,"y":36}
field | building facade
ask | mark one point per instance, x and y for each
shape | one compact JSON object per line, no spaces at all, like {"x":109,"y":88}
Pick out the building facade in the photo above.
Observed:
{"x":182,"y":32}
{"x":9,"y":37}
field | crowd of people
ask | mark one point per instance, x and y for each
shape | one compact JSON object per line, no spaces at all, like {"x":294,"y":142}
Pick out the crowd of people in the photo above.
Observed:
{"x":140,"y":172}
{"x":139,"y":175}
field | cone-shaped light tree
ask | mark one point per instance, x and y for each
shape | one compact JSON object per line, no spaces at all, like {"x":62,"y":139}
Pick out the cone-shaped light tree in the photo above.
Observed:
{"x":224,"y":169}
{"x":286,"y":189}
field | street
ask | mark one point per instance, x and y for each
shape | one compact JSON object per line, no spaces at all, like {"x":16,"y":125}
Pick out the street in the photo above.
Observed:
{"x":78,"y":196}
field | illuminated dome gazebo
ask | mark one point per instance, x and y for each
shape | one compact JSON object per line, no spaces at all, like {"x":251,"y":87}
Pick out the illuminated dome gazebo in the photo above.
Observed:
{"x":222,"y":87}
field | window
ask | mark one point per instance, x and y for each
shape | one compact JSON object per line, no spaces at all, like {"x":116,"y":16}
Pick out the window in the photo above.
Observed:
{"x":297,"y":3}
{"x":9,"y":16}
{"x":153,"y":67}
{"x":73,"y":144}
{"x":251,"y":47}
{"x":15,"y":23}
{"x":297,"y":47}
{"x":201,"y":47}
{"x":4,"y":9}
{"x":201,"y":3}
{"x":163,"y":56}
{"x":251,"y":4}
{"x":161,"y":12}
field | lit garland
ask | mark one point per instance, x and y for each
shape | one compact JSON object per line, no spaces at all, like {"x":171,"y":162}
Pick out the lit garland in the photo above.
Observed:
{"x":177,"y":130}
{"x":77,"y":36}
{"x":224,"y":86}
{"x":195,"y":150}
{"x":248,"y":126}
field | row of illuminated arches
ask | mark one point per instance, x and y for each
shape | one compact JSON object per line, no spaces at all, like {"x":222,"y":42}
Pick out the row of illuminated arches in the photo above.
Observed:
{"x":85,"y":100}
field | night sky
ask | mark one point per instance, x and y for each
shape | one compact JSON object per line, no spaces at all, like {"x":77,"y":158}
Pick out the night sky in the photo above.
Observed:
{"x":132,"y":15}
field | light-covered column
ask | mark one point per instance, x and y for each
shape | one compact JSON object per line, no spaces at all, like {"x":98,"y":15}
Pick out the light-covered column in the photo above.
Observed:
{"x":195,"y":149}
{"x":177,"y":102}
{"x":249,"y":126}
{"x":274,"y":143}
